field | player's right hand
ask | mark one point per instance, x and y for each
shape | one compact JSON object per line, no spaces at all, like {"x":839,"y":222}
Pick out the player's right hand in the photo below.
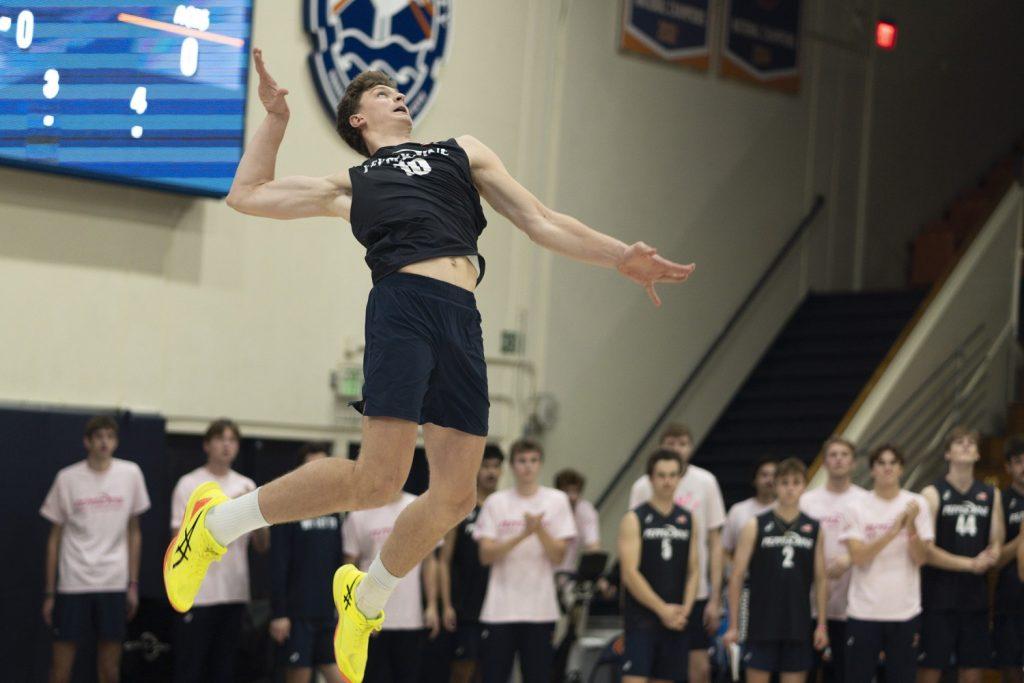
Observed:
{"x":982,"y":562}
{"x":280,"y":629}
{"x":271,"y":95}
{"x":730,"y":637}
{"x":911,"y":513}
{"x":673,"y":617}
{"x":450,"y":619}
{"x":48,"y":610}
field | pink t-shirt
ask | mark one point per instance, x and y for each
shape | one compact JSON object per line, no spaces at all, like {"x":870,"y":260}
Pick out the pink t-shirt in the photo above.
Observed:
{"x":94,"y":509}
{"x":588,"y":527}
{"x":830,"y":510}
{"x":739,"y":514}
{"x":363,"y":534}
{"x":889,"y":588}
{"x":522,"y":584}
{"x":226,"y":581}
{"x":699,"y":493}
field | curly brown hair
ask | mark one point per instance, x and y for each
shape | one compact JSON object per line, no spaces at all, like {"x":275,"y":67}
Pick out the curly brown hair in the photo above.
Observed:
{"x":349,"y":105}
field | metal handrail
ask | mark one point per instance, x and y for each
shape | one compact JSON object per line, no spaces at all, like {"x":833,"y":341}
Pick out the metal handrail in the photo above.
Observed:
{"x":957,"y":399}
{"x":805,"y":222}
{"x":924,"y":389}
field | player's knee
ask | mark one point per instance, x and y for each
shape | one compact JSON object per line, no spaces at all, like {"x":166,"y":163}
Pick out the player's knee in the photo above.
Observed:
{"x":379,"y":489}
{"x":465,"y":504}
{"x":453,"y":506}
{"x":458,"y":504}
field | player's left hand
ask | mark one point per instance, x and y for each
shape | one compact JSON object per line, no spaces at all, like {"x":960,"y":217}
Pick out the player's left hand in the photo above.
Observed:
{"x":132,"y":601}
{"x":641,"y":264}
{"x":838,"y":567}
{"x":712,"y":616}
{"x":820,"y":637}
{"x":431,"y":621}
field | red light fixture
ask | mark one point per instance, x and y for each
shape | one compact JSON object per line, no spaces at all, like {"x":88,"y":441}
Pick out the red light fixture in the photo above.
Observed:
{"x":885,"y":35}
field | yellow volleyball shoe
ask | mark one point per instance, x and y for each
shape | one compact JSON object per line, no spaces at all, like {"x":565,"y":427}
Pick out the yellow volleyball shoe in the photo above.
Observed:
{"x":352,"y":636}
{"x":193,"y":549}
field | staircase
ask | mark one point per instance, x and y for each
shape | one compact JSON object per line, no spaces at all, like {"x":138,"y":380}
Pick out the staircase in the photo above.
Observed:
{"x":805,"y":383}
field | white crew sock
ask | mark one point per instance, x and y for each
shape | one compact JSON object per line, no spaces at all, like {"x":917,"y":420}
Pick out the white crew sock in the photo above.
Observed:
{"x":236,"y":517}
{"x":375,"y":589}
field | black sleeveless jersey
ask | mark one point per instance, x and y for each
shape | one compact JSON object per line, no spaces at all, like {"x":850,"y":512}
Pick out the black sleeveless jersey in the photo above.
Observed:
{"x":781,"y":575}
{"x":468,"y":577}
{"x":303,"y":558}
{"x":664,"y":560}
{"x":413,"y":202}
{"x":1009,"y":596}
{"x":962,"y":528}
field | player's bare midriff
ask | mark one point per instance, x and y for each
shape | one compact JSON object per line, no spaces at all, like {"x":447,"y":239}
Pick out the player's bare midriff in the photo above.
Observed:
{"x":455,"y":270}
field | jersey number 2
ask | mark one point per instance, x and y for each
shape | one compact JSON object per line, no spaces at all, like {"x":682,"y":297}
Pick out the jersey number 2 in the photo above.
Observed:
{"x":787,"y":556}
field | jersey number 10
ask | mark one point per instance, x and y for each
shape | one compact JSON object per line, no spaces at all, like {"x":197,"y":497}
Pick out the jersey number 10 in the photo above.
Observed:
{"x":414,"y":167}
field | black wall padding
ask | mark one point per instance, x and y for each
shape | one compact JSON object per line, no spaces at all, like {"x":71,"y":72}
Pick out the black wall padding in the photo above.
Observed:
{"x":34,"y":445}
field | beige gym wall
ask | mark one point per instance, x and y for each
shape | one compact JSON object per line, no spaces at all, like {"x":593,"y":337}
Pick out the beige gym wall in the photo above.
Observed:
{"x":114,"y":296}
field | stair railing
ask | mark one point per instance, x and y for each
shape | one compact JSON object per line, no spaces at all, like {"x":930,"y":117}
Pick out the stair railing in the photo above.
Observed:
{"x":954,"y":363}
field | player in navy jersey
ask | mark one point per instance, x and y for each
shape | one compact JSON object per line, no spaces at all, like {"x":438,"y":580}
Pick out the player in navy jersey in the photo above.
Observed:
{"x":781,"y":554}
{"x":303,"y":557}
{"x":1009,"y":598}
{"x":968,"y":518}
{"x":416,"y":209}
{"x":659,"y":565}
{"x":463,"y":578}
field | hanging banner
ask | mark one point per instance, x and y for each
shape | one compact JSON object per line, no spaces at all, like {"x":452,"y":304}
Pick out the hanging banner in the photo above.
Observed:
{"x":762,"y":38}
{"x":674,"y":31}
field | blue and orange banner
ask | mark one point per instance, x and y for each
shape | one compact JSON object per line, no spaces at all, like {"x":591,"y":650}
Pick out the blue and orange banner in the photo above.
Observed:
{"x":674,"y":31}
{"x":762,"y":40}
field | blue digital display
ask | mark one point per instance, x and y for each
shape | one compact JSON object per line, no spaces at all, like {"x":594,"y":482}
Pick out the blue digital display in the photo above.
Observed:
{"x":145,"y":92}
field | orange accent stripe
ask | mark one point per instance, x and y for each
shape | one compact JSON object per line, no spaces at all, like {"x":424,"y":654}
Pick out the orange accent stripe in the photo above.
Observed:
{"x":429,"y":7}
{"x":199,"y":503}
{"x":340,"y":5}
{"x":420,"y":18}
{"x":180,"y":30}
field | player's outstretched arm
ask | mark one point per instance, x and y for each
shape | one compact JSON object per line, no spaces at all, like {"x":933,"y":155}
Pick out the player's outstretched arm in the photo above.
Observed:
{"x":564,"y":234}
{"x":256,"y":192}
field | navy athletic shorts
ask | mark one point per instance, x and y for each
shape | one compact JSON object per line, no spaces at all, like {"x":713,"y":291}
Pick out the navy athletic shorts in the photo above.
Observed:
{"x":656,"y":652}
{"x":955,"y":639}
{"x":77,"y":615}
{"x":310,"y":643}
{"x":696,"y":635}
{"x":467,"y":641}
{"x":867,"y":640}
{"x":424,"y":357}
{"x":1009,"y":639}
{"x":779,"y":655}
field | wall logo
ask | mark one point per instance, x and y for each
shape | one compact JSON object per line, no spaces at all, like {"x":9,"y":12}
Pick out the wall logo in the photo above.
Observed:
{"x":406,"y":39}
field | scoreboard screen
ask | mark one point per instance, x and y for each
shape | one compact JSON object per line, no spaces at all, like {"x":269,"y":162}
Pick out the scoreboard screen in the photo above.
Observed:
{"x":146,"y":92}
